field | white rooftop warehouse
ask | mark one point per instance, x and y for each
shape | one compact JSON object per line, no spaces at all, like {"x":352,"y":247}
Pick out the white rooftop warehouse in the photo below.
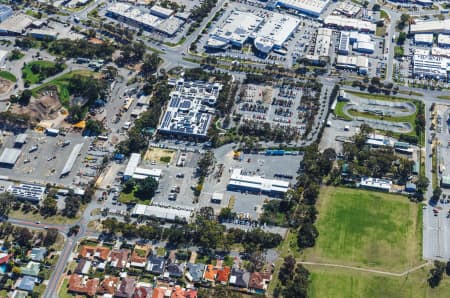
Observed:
{"x":71,"y":160}
{"x":310,"y":7}
{"x":29,"y":192}
{"x":275,"y":31}
{"x":349,"y":24}
{"x":9,"y":157}
{"x":240,"y":182}
{"x":431,"y":27}
{"x":236,"y":30}
{"x":166,"y":213}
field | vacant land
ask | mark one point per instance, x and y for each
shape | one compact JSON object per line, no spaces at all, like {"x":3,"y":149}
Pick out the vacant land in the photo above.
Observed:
{"x":367,"y":229}
{"x":159,"y":155}
{"x":61,"y":84}
{"x":336,"y":283}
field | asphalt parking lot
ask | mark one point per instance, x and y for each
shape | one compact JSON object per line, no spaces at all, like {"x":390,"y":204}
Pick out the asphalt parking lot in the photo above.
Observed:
{"x":45,"y":164}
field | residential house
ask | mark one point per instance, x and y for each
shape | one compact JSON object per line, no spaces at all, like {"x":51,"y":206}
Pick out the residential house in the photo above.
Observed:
{"x":94,"y":252}
{"x":259,"y":281}
{"x":83,"y":267}
{"x":160,"y":292}
{"x":27,"y":283}
{"x":108,"y":285}
{"x":126,"y":288}
{"x":143,"y":292}
{"x":179,"y":292}
{"x":4,"y":258}
{"x":38,"y":254}
{"x":156,"y":265}
{"x":175,"y":270}
{"x":119,"y":258}
{"x":239,"y":278}
{"x":223,"y":275}
{"x":139,"y":256}
{"x":83,"y":285}
{"x":31,"y":269}
{"x":194,"y":272}
{"x":210,"y":273}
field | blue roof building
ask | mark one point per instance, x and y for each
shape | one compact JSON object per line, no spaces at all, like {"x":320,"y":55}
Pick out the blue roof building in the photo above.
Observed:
{"x":27,"y":283}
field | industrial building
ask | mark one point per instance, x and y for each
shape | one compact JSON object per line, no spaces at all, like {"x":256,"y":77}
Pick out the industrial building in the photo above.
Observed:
{"x":358,"y":63}
{"x":166,"y":213}
{"x":309,"y":7}
{"x":133,"y":171}
{"x":364,"y":47}
{"x":236,"y":30}
{"x":190,"y":110}
{"x":16,"y":24}
{"x":348,"y":9}
{"x":29,"y":192}
{"x":440,"y":51}
{"x":256,"y":184}
{"x":43,"y":34}
{"x":20,"y":140}
{"x":444,"y":40}
{"x":274,"y":32}
{"x":9,"y":157}
{"x":322,"y":46}
{"x":5,"y":12}
{"x":425,"y":39}
{"x":157,"y":18}
{"x":431,"y":27}
{"x":376,"y":184}
{"x":344,"y":23}
{"x":428,"y":66}
{"x":71,"y":160}
{"x":344,"y":44}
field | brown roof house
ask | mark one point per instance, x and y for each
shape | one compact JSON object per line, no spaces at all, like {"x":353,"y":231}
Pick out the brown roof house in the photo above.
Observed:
{"x":259,"y":281}
{"x":83,"y":285}
{"x":108,"y":285}
{"x":126,"y":288}
{"x":94,"y":252}
{"x":119,"y":258}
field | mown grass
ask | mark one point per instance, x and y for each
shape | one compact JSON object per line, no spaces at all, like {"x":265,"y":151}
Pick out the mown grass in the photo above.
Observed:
{"x":32,"y":77}
{"x":366,"y":229}
{"x":8,"y":76}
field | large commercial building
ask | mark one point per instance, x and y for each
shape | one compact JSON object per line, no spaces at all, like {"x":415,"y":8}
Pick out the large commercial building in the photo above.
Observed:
{"x":424,"y":39}
{"x":190,"y":110}
{"x":310,"y":7}
{"x":444,"y":40}
{"x":274,"y":32}
{"x":433,"y":67}
{"x":257,"y":184}
{"x":30,"y":192}
{"x":322,"y":46}
{"x":71,"y":160}
{"x":344,"y":44}
{"x":157,"y":18}
{"x":358,"y":63}
{"x":340,"y":22}
{"x":133,"y":171}
{"x":364,"y":47}
{"x":165,"y":213}
{"x":236,"y":30}
{"x":348,"y":9}
{"x":5,"y":12}
{"x":16,"y":25}
{"x":9,"y":157}
{"x":431,"y":27}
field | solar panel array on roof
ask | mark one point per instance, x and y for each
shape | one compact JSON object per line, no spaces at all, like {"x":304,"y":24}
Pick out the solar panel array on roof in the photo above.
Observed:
{"x":186,"y":113}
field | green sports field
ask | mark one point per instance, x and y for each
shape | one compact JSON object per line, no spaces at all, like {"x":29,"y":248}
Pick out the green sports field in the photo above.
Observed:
{"x":343,"y":283}
{"x":367,"y":229}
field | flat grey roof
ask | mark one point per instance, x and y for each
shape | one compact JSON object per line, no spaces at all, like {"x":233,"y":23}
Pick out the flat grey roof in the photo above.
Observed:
{"x":9,"y":156}
{"x":71,"y":160}
{"x":21,"y":138}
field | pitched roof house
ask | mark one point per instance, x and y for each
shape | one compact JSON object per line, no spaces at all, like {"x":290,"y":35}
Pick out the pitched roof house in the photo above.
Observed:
{"x":259,"y":281}
{"x":119,"y":258}
{"x":223,"y":274}
{"x":97,"y":252}
{"x":108,"y":285}
{"x":83,"y":285}
{"x":126,"y":288}
{"x":156,"y":265}
{"x":239,"y":278}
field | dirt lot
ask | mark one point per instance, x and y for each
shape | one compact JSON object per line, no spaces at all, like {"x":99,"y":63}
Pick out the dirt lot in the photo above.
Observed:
{"x":157,"y":153}
{"x":5,"y":85}
{"x":44,"y":108}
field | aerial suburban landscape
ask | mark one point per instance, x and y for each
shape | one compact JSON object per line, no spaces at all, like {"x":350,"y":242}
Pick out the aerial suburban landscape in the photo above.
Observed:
{"x":224,"y":148}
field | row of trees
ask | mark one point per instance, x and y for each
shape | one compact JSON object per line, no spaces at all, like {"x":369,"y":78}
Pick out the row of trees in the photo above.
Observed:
{"x":294,"y":279}
{"x":81,"y":48}
{"x":206,"y":233}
